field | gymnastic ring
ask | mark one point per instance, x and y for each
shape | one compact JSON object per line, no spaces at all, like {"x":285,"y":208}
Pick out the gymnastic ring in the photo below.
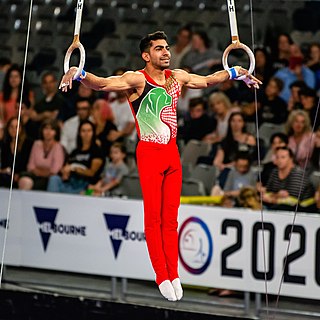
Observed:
{"x":76,"y":44}
{"x":238,"y":45}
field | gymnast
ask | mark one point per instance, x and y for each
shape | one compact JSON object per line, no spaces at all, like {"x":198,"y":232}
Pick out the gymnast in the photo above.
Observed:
{"x":153,"y":93}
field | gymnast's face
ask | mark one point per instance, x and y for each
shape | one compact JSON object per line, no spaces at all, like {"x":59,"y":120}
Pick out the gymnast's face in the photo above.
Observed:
{"x":158,"y":55}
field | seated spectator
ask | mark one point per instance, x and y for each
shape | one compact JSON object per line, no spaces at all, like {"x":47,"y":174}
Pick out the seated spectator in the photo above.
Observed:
{"x":237,"y":140}
{"x":277,"y":140}
{"x":83,"y":92}
{"x":273,"y":109}
{"x":5,"y":64}
{"x":199,"y":125}
{"x":7,"y":153}
{"x":313,"y":62}
{"x":230,"y":89}
{"x":295,"y":71}
{"x":2,"y":129}
{"x":282,"y":52}
{"x":181,"y":46}
{"x":123,"y":118}
{"x":315,"y":156}
{"x":222,"y":108}
{"x":186,"y":96}
{"x":113,"y":172}
{"x":309,"y":101}
{"x":301,"y":138}
{"x":249,"y":198}
{"x":70,"y":127}
{"x":11,"y":91}
{"x":202,"y":57}
{"x":48,"y":107}
{"x":241,"y":175}
{"x":105,"y":130}
{"x":46,"y":158}
{"x":285,"y":181}
{"x":294,"y":100}
{"x":84,"y":164}
{"x":263,"y":69}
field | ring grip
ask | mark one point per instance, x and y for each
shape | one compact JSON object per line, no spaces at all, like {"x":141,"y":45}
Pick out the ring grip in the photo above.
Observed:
{"x":238,"y":45}
{"x":76,"y":44}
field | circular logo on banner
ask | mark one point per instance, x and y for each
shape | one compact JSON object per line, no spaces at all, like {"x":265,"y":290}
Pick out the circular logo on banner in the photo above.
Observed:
{"x":195,"y":245}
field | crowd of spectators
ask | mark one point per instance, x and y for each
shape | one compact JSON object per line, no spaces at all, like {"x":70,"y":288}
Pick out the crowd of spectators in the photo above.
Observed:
{"x":75,"y":142}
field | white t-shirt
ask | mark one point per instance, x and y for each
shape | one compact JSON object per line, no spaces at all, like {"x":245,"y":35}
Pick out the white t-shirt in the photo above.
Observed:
{"x":122,"y":114}
{"x":183,"y":101}
{"x":69,"y":133}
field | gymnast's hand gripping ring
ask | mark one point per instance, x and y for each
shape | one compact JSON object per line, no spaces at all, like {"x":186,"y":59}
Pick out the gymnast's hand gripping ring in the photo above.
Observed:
{"x":76,"y":44}
{"x":236,"y":44}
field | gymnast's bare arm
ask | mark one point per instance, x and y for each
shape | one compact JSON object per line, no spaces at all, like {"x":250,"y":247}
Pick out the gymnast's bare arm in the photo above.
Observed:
{"x":194,"y":81}
{"x":129,"y":80}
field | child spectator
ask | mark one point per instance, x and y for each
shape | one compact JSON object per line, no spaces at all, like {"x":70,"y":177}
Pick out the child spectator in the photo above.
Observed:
{"x":113,"y":172}
{"x":239,"y":176}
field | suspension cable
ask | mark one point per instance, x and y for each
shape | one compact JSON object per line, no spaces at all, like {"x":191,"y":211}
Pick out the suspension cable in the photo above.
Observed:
{"x":15,"y":145}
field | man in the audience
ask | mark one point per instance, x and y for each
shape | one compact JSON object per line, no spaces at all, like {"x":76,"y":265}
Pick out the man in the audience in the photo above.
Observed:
{"x":123,"y":118}
{"x":295,"y":71}
{"x":286,"y":180}
{"x":70,"y":127}
{"x":199,"y":125}
{"x":49,"y":106}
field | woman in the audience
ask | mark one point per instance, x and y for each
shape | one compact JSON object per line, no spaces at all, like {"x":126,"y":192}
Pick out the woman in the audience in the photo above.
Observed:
{"x":263,"y":69}
{"x":315,"y":157}
{"x":237,"y":140}
{"x":301,"y":138}
{"x":282,"y":52}
{"x":46,"y":158}
{"x":313,"y":61}
{"x":7,"y":153}
{"x":273,"y":109}
{"x":105,"y":129}
{"x":83,"y":166}
{"x":11,"y":91}
{"x":221,"y":108}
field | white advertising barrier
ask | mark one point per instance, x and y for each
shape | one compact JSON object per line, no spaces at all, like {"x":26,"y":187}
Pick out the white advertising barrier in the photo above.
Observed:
{"x":223,"y":248}
{"x":84,"y":234}
{"x":217,"y":247}
{"x":13,"y":243}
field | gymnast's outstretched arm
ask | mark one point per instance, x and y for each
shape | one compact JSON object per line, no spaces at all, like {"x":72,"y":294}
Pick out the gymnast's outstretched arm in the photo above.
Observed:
{"x":129,"y":80}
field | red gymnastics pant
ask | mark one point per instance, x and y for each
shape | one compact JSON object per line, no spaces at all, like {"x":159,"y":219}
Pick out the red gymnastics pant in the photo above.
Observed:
{"x":161,"y":178}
